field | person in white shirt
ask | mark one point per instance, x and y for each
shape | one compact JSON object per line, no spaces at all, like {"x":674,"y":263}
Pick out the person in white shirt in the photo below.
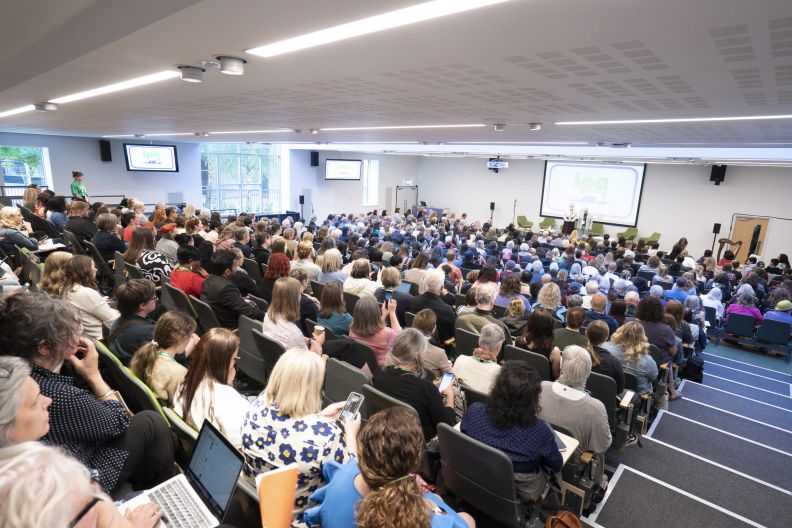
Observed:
{"x":480,"y":370}
{"x":592,"y":287}
{"x":78,"y":287}
{"x":359,"y":282}
{"x":207,"y":393}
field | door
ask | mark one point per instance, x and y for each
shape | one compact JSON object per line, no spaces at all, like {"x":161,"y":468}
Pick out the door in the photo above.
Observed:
{"x":743,"y":230}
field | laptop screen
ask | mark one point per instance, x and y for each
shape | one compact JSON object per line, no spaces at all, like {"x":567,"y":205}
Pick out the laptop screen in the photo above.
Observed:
{"x":403,"y":287}
{"x":214,"y":468}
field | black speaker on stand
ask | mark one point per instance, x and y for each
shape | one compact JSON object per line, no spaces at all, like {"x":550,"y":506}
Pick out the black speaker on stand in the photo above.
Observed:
{"x":715,"y":230}
{"x":302,"y":203}
{"x":492,"y":211}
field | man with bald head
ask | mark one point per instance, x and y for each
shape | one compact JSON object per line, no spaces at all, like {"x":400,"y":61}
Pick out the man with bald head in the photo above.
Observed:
{"x":599,"y":304}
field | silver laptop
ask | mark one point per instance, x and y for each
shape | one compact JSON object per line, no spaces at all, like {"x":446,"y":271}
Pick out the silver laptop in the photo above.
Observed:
{"x":199,"y":497}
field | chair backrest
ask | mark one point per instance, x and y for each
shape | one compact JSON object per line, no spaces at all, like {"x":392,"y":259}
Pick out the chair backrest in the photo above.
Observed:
{"x":260,"y":303}
{"x":166,"y":297}
{"x":119,"y":271}
{"x":187,"y":435}
{"x":466,"y":342}
{"x":646,"y":274}
{"x":269,"y":350}
{"x":631,"y":382}
{"x":309,"y":327}
{"x":408,"y":319}
{"x":317,"y":288}
{"x":537,"y":361}
{"x":603,"y":388}
{"x":459,"y":300}
{"x":740,"y":325}
{"x":415,"y":289}
{"x":487,"y":485}
{"x":33,"y":273}
{"x":180,"y":299}
{"x":207,"y":317}
{"x":498,"y":311}
{"x":250,"y":363}
{"x":133,"y":272}
{"x":38,"y":223}
{"x":472,"y":395}
{"x":773,"y":332}
{"x":376,"y":401}
{"x":253,"y":269}
{"x":137,"y":395}
{"x":341,"y":378}
{"x":101,"y":264}
{"x":710,"y":315}
{"x":72,"y":241}
{"x":350,"y":299}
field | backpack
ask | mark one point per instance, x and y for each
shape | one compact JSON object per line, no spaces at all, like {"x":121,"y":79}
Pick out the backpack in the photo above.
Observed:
{"x":563,"y":519}
{"x":693,"y":369}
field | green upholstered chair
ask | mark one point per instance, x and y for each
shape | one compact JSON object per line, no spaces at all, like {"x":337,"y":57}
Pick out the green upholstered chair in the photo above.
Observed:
{"x":653,"y":239}
{"x":597,"y":229}
{"x":523,"y":222}
{"x":547,"y":223}
{"x":629,"y":234}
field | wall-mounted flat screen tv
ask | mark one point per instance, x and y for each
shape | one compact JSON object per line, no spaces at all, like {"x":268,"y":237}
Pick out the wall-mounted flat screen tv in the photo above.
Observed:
{"x":151,"y":158}
{"x":336,"y":169}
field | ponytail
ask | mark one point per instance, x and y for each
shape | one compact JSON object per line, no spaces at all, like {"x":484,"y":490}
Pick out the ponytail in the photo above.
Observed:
{"x":172,"y":328}
{"x":396,"y":504}
{"x":142,"y":363}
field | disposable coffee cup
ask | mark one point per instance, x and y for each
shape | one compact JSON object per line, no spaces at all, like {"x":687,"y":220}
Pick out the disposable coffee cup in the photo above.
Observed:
{"x":318,"y":330}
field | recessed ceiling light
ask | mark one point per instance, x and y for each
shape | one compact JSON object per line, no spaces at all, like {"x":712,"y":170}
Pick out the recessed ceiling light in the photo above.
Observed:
{"x":534,"y":126}
{"x":117,"y":87}
{"x":20,"y":110}
{"x":674,"y":120}
{"x":201,"y":134}
{"x":373,"y":24}
{"x":272,"y":131}
{"x":123,"y":135}
{"x":231,"y":65}
{"x":499,"y":127}
{"x":314,"y":131}
{"x":161,"y":134}
{"x":526,"y":143}
{"x":341,"y":129}
{"x":192,"y":74}
{"x":45,"y":107}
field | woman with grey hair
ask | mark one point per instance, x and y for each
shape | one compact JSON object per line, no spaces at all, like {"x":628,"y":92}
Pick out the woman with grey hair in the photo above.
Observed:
{"x":405,"y":378}
{"x":92,"y":424}
{"x":745,"y":305}
{"x":480,"y":370}
{"x":43,"y":487}
{"x":23,"y":409}
{"x":565,"y":403}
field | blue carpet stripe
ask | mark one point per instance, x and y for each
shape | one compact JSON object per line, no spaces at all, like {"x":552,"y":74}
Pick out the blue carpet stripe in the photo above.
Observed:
{"x":748,"y":391}
{"x":756,"y":380}
{"x":780,"y":376}
{"x":739,"y":405}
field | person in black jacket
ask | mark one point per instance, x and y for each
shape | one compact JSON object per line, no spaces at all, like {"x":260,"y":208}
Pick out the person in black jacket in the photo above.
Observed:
{"x":221,"y":294}
{"x":602,"y":362}
{"x":407,"y":380}
{"x":106,"y":240}
{"x":432,"y":299}
{"x":78,"y":222}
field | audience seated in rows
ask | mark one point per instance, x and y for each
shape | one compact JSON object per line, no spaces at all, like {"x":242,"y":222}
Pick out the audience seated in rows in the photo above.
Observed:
{"x":332,"y":313}
{"x":137,"y":299}
{"x":220,"y":293}
{"x":78,"y":287}
{"x":370,"y":328}
{"x":283,"y":315}
{"x":479,"y":370}
{"x":141,"y":253}
{"x":188,"y":275}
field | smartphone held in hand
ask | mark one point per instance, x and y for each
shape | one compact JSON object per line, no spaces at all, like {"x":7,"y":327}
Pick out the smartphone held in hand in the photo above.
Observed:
{"x":351,"y":407}
{"x":445,"y":381}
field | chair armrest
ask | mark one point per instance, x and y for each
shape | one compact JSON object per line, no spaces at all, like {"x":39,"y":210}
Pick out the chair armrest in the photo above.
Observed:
{"x":586,"y":457}
{"x":451,"y":341}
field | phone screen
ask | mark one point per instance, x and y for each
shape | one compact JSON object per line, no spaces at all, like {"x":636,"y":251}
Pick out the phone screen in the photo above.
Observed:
{"x":351,"y":407}
{"x":448,"y":377}
{"x":388,"y":295}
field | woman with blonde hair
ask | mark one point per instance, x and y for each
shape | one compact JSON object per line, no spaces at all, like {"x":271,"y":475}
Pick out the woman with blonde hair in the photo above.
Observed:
{"x":155,"y":362}
{"x":286,"y":425}
{"x":280,"y":321}
{"x":53,"y":272}
{"x":332,"y":263}
{"x":516,"y":315}
{"x":29,"y":199}
{"x":631,"y":347}
{"x":549,"y":298}
{"x":379,"y":489}
{"x":207,"y":391}
{"x":14,"y":231}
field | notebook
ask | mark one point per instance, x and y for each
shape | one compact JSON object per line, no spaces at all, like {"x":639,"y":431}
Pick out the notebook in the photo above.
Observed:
{"x":276,"y":491}
{"x":199,"y":497}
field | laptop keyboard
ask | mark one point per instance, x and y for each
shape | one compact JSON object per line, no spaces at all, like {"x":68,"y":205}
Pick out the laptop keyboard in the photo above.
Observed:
{"x":180,"y":508}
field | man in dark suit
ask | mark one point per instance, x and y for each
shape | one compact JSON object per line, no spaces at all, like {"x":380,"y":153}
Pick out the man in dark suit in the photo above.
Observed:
{"x":434,"y":300}
{"x":221,"y":294}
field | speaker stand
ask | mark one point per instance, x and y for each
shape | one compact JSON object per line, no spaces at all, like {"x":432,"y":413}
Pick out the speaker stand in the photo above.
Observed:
{"x":714,"y":236}
{"x":302,"y":215}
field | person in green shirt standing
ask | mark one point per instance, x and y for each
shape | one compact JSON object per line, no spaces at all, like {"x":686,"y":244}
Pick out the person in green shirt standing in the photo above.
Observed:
{"x":78,"y":187}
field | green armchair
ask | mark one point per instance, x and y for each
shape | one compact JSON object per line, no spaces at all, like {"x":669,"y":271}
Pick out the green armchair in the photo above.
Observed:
{"x":547,"y":223}
{"x":597,"y":229}
{"x":523,"y":222}
{"x":653,"y":239}
{"x":629,"y":234}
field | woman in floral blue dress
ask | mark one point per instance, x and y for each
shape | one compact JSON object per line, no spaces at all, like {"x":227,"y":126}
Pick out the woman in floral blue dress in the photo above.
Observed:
{"x":287,"y":425}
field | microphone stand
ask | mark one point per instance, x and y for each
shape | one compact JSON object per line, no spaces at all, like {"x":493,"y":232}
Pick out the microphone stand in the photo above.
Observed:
{"x":514,"y":212}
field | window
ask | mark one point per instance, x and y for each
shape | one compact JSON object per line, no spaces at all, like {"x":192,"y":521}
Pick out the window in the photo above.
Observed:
{"x":21,"y":166}
{"x":370,"y":182}
{"x":238,"y":177}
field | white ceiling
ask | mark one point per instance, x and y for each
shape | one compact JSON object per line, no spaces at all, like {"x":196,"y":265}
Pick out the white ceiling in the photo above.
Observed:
{"x":518,"y":62}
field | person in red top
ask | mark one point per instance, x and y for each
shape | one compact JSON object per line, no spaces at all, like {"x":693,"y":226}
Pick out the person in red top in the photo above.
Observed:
{"x":188,"y":275}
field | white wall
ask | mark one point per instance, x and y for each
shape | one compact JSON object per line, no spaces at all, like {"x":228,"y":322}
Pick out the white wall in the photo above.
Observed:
{"x":345,"y":196}
{"x":105,"y":178}
{"x":678,"y":200}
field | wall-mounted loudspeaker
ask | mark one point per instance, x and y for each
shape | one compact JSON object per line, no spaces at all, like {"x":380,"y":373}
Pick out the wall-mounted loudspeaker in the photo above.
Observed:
{"x":104,"y":150}
{"x":302,"y":200}
{"x":718,"y":174}
{"x":715,"y":229}
{"x":314,"y":158}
